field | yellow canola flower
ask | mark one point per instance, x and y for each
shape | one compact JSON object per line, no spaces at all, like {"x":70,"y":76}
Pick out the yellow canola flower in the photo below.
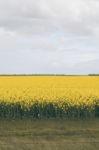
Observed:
{"x":59,"y":90}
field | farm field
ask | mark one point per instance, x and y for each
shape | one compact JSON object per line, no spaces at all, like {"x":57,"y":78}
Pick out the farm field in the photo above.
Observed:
{"x":49,"y":97}
{"x":49,"y":112}
{"x":49,"y":134}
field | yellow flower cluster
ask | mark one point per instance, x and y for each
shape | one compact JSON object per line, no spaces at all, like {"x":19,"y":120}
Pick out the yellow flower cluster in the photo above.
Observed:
{"x":59,"y":90}
{"x":72,"y":89}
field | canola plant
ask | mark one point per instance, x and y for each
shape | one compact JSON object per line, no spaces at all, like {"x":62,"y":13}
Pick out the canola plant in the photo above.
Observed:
{"x":49,"y":96}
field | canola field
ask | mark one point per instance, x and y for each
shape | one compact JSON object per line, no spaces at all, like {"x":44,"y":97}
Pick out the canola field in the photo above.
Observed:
{"x":49,"y":96}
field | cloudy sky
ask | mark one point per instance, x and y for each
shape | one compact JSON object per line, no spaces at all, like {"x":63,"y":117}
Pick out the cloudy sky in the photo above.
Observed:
{"x":49,"y":36}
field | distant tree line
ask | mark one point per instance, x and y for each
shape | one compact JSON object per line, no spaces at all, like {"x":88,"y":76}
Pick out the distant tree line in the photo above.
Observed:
{"x":48,"y":75}
{"x":93,"y":74}
{"x":41,"y":75}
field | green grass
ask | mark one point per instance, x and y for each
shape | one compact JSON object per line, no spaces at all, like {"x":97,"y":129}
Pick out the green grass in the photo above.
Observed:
{"x":49,"y":134}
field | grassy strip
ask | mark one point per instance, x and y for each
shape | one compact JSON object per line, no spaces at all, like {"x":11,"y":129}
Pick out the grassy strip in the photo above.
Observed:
{"x":49,"y":134}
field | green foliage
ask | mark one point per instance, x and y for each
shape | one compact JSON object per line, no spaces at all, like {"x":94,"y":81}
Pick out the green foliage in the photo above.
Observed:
{"x":48,"y":110}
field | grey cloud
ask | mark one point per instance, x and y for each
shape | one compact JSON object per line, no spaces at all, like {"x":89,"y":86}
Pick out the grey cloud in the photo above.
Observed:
{"x":87,"y":67}
{"x":74,"y":18}
{"x":49,"y":36}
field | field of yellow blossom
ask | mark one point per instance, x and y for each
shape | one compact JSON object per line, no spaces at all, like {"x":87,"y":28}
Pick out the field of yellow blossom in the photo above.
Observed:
{"x":49,"y":96}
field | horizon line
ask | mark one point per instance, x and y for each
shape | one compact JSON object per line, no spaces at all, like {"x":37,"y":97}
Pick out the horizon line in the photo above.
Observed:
{"x":49,"y":74}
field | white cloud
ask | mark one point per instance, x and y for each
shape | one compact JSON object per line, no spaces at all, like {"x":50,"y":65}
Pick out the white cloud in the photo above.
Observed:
{"x":48,"y":36}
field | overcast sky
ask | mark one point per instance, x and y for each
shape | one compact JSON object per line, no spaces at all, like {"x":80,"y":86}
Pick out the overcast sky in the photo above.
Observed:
{"x":49,"y":36}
